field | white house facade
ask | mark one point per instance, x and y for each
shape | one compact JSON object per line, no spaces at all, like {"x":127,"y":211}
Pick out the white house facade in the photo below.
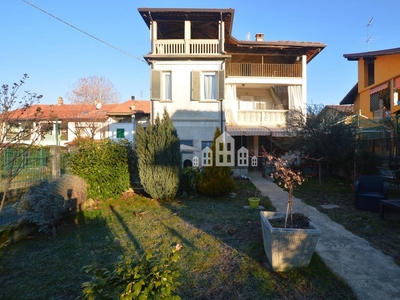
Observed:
{"x":206,"y":78}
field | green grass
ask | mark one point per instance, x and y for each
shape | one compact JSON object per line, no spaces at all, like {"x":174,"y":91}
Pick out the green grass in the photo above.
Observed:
{"x":381,"y":234}
{"x":222,"y":255}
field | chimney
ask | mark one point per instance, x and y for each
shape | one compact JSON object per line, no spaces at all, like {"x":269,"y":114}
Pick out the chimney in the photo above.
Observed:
{"x":60,"y":101}
{"x":132,"y":97}
{"x":259,"y":37}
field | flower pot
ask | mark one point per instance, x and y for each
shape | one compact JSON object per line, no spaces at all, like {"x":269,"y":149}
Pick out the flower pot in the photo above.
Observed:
{"x":254,"y":202}
{"x":287,"y":248}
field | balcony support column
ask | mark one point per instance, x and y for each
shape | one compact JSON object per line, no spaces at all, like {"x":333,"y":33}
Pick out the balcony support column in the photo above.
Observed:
{"x":221,"y":36}
{"x":153,"y":35}
{"x":187,"y":37}
{"x":304,"y":83}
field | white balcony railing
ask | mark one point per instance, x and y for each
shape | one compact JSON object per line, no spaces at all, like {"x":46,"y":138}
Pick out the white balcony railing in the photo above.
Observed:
{"x":262,"y":118}
{"x":182,"y":47}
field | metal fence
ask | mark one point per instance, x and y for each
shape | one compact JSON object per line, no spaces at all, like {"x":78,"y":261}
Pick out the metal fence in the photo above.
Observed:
{"x":36,"y":165}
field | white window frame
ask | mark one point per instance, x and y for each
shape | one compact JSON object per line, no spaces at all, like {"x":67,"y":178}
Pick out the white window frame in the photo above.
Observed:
{"x":209,"y":86}
{"x":166,"y":85}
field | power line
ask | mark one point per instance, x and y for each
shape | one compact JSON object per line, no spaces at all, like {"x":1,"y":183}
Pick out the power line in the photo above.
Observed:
{"x":84,"y":32}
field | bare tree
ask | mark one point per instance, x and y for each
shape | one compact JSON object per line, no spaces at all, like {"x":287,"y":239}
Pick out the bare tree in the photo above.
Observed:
{"x":17,"y":134}
{"x":94,"y":90}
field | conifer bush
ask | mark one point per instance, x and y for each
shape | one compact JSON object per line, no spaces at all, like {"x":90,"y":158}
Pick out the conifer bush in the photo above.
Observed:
{"x":216,"y":181}
{"x":46,"y":203}
{"x":159,"y":158}
{"x":42,"y":206}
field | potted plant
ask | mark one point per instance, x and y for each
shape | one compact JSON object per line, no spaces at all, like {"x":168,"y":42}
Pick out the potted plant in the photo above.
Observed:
{"x":289,"y":239}
{"x":254,"y":201}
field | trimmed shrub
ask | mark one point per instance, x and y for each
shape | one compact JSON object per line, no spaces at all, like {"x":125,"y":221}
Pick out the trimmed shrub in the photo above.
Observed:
{"x":40,"y":205}
{"x":159,"y":158}
{"x":104,"y":167}
{"x":150,"y":278}
{"x":216,"y":181}
{"x":73,"y":189}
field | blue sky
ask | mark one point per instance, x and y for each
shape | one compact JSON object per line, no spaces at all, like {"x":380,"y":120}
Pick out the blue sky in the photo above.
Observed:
{"x":55,"y":55}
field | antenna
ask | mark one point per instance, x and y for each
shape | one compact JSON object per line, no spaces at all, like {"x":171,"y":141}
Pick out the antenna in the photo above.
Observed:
{"x":368,"y":36}
{"x":248,"y":36}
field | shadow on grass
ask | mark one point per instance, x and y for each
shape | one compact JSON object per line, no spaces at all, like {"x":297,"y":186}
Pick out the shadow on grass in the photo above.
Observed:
{"x":43,"y":267}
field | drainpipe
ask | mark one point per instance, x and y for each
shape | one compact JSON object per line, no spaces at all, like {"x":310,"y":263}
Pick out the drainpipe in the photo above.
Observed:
{"x":222,"y":115}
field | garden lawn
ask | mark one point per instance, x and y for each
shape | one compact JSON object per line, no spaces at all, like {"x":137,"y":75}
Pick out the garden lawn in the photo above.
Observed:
{"x":383,"y":234}
{"x":222,"y":255}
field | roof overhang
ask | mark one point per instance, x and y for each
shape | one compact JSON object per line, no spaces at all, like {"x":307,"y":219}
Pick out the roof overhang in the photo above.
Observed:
{"x":371,"y":54}
{"x":351,"y":96}
{"x":170,"y":21}
{"x":275,"y":48}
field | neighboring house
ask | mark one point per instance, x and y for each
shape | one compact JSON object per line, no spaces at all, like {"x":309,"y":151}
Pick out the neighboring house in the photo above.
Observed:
{"x":206,"y":78}
{"x":376,"y":94}
{"x":63,"y":123}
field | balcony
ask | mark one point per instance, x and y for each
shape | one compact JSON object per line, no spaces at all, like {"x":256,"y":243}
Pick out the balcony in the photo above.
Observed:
{"x":262,"y":117}
{"x":186,"y":47}
{"x":263,"y":70}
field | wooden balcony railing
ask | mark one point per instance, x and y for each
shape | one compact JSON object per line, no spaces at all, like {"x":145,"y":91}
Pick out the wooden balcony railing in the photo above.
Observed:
{"x":263,"y":70}
{"x":182,"y":47}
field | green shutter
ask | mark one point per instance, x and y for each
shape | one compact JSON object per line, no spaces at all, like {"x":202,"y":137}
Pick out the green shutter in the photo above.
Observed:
{"x":120,"y":133}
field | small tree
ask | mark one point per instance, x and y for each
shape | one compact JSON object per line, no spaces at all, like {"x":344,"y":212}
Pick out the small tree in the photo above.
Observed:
{"x":159,"y":158}
{"x":94,"y":90}
{"x":17,"y":134}
{"x":287,"y":177}
{"x":324,"y":134}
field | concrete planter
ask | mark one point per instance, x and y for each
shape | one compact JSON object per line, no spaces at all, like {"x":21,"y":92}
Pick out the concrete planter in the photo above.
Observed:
{"x":287,"y":247}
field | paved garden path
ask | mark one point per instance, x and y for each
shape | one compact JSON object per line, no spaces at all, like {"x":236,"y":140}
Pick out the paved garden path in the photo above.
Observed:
{"x":371,"y":273}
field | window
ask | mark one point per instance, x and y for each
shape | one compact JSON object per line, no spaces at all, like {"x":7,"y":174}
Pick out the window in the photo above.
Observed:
{"x":161,"y":85}
{"x":369,"y":66}
{"x":206,"y":144}
{"x":120,"y":133}
{"x":187,"y":142}
{"x":166,"y":86}
{"x":208,"y":85}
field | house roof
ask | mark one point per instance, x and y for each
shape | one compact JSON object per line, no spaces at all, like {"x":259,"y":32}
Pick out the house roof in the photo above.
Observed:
{"x":170,"y":26}
{"x":81,"y":112}
{"x":351,"y":96}
{"x":348,"y":109}
{"x":371,"y":54}
{"x":289,"y":49}
{"x":126,"y":108}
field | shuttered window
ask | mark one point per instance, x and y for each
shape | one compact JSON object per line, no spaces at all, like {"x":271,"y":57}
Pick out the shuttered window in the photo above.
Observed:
{"x":208,"y":85}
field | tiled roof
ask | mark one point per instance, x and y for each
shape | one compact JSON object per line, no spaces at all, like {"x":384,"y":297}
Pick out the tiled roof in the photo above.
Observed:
{"x":131,"y":105}
{"x":82,"y":112}
{"x":371,"y":54}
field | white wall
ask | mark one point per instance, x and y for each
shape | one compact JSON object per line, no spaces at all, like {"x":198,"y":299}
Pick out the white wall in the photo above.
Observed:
{"x":193,"y":120}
